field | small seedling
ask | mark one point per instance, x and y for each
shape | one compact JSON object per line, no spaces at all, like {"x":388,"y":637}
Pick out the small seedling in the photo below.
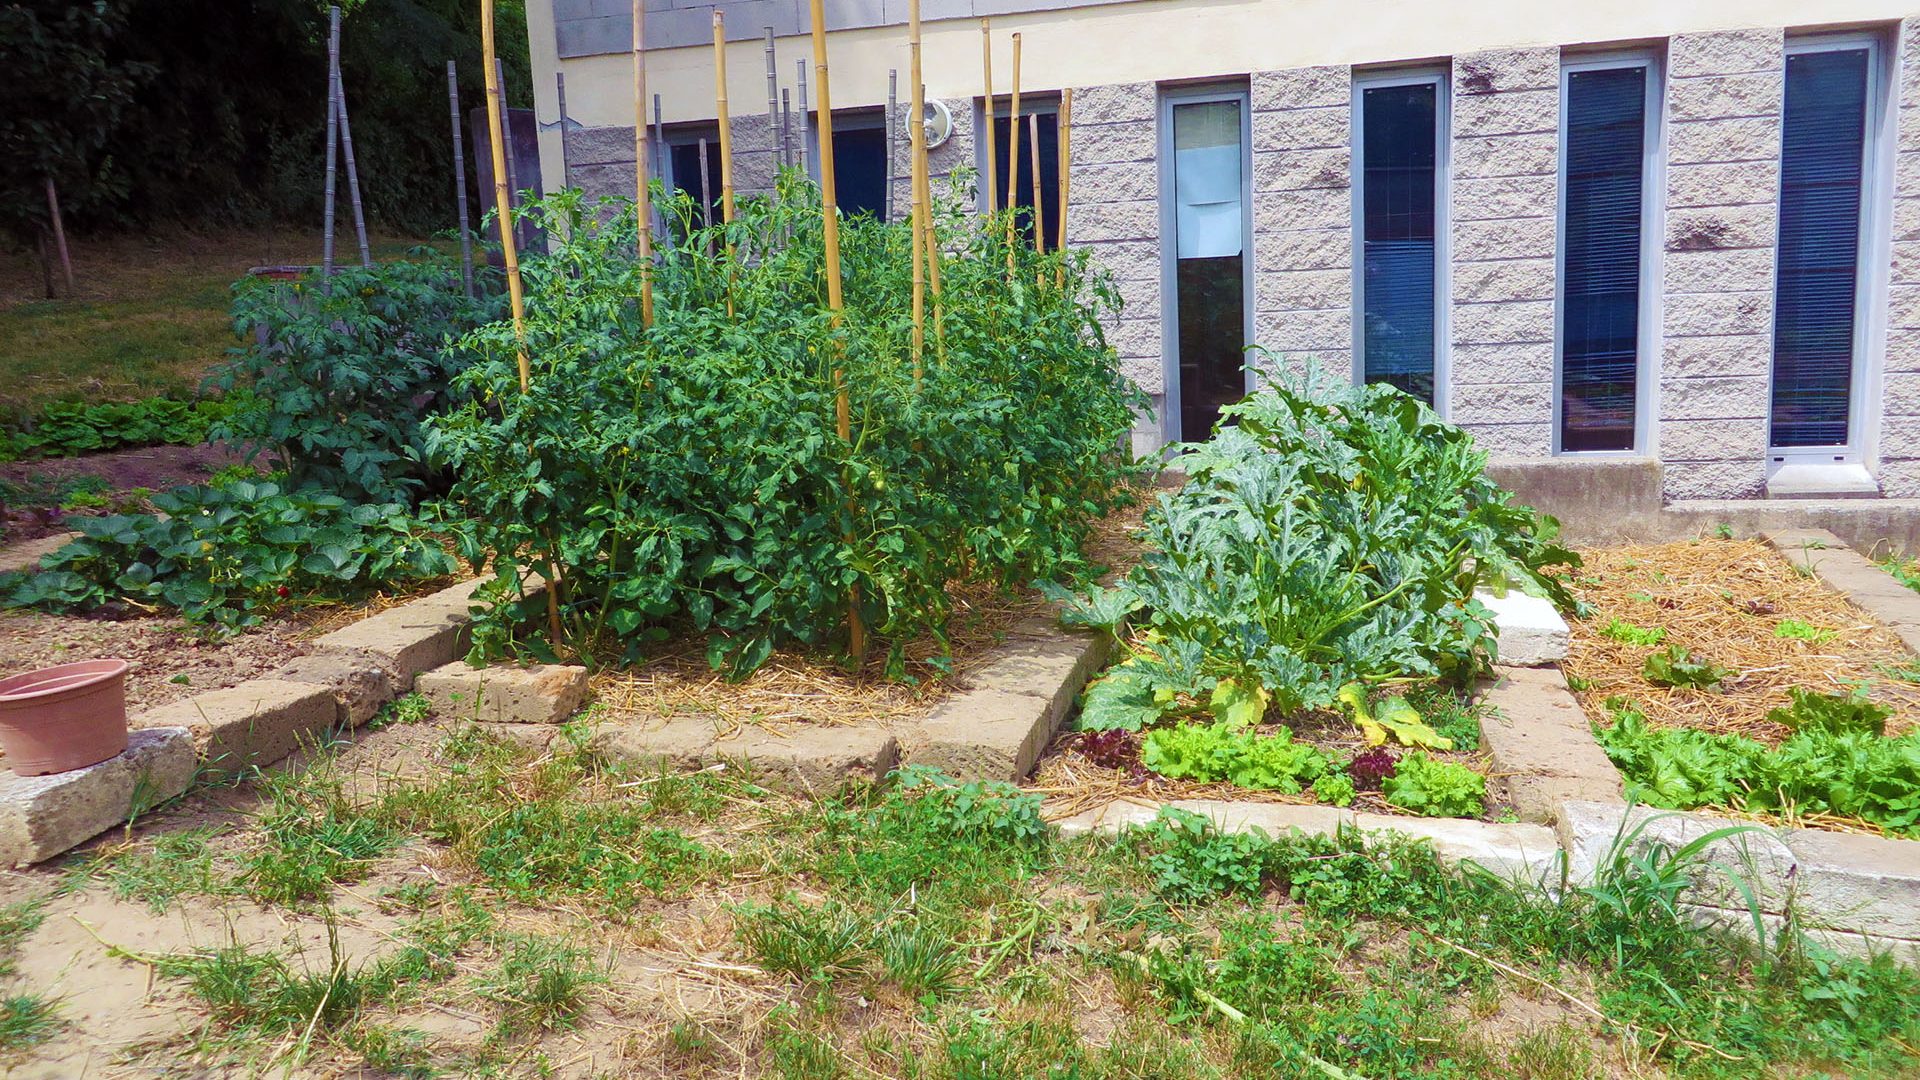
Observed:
{"x":1630,"y":634}
{"x":1678,"y":668}
{"x":1799,"y":630}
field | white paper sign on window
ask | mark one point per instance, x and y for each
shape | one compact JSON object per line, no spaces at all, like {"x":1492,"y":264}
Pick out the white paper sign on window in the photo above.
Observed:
{"x":1206,"y":180}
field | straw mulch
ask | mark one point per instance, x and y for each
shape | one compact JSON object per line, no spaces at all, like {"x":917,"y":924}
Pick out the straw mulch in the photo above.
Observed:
{"x":1723,"y":599}
{"x":813,"y":687}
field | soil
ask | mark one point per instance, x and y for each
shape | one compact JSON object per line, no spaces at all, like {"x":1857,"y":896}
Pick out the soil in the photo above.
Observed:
{"x":33,"y":510}
{"x":171,"y":659}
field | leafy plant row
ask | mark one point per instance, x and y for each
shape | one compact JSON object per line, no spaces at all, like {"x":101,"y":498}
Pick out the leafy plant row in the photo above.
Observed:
{"x":688,"y":476}
{"x":1837,"y":761}
{"x":67,"y":428}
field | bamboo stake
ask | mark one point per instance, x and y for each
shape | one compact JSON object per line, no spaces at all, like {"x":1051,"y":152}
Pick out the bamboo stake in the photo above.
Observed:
{"x":503,"y":202}
{"x":460,"y":180}
{"x":353,"y":174}
{"x":726,"y":124}
{"x":506,"y":121}
{"x":333,"y":144}
{"x":893,"y":139}
{"x":642,"y":186}
{"x":916,"y":165}
{"x":773,"y":93}
{"x":560,"y":102}
{"x":830,"y":221}
{"x":1039,"y":218}
{"x":786,"y":128}
{"x":706,"y":193}
{"x":1066,"y":173}
{"x":59,"y":236}
{"x":800,"y":98}
{"x":986,"y":66}
{"x":1013,"y":154}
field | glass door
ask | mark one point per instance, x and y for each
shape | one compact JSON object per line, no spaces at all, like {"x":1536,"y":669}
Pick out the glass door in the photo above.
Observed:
{"x":1205,"y":257}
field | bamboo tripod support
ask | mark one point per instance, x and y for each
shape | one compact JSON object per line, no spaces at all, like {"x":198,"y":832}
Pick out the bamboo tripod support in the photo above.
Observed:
{"x":460,"y":180}
{"x":1013,"y":155}
{"x":916,"y":164}
{"x":726,"y":139}
{"x":1039,"y":219}
{"x":643,"y":204}
{"x":830,"y":222}
{"x":1066,"y":173}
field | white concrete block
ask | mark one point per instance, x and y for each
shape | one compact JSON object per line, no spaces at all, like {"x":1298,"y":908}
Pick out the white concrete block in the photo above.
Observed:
{"x":43,"y":816}
{"x":1529,"y":632}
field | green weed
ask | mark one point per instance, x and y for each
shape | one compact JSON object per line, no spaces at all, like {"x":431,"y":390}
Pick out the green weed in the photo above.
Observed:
{"x":542,"y":984}
{"x":157,"y":874}
{"x":1800,"y":630}
{"x":27,"y":1019}
{"x":1631,"y":634}
{"x":812,"y":943}
{"x":312,"y":835}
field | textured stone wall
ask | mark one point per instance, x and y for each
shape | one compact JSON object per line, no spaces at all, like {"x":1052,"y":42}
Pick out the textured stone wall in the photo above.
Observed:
{"x":1722,"y":218}
{"x":1899,"y":471}
{"x":1505,"y":159}
{"x":1303,"y":216}
{"x":1114,"y":212}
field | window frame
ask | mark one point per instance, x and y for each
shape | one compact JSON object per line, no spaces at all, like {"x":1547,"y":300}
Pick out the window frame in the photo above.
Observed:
{"x":1440,"y":78}
{"x":1871,"y":270}
{"x":1169,"y":97}
{"x":1652,"y":244}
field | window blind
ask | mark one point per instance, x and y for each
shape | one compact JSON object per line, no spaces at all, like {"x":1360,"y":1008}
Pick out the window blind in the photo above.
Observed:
{"x":1823,"y":144}
{"x":1399,"y":135}
{"x":1602,"y":203}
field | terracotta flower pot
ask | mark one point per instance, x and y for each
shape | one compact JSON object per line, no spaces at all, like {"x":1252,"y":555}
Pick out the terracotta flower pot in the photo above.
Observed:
{"x":63,"y":718}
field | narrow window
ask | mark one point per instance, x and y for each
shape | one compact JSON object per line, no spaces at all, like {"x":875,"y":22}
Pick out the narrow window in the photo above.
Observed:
{"x":1209,"y":273}
{"x":1822,"y":167}
{"x":1602,"y":207}
{"x":860,"y":163}
{"x":1048,"y":121}
{"x":1396,"y":219}
{"x":693,"y":168}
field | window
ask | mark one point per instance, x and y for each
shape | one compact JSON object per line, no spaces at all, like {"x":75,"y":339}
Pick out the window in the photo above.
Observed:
{"x":1823,"y":169}
{"x":1399,"y":124}
{"x":1204,"y":208}
{"x":1606,"y":165}
{"x":1044,"y":114}
{"x":859,"y":162}
{"x":693,"y":168}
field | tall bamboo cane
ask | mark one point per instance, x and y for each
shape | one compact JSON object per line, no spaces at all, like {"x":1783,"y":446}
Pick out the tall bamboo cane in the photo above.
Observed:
{"x":353,"y":173}
{"x":773,"y":93}
{"x":460,"y":180}
{"x":830,"y":221}
{"x":726,"y":139}
{"x":1066,"y":174}
{"x":1013,"y":154}
{"x":916,"y":169}
{"x":642,"y":167}
{"x":503,"y":203}
{"x":986,"y":68}
{"x":800,"y":99}
{"x":893,"y":138}
{"x":333,"y":144}
{"x":1039,"y":218}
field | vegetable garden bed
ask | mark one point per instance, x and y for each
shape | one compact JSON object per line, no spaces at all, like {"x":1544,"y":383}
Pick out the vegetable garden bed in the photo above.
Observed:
{"x":1720,"y":673}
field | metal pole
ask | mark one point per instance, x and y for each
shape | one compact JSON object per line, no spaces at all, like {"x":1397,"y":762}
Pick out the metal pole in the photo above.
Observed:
{"x":706,"y":197}
{"x":333,"y":142}
{"x":560,"y":91}
{"x":353,"y":175}
{"x":506,"y":133}
{"x":661,"y":163}
{"x":460,"y":180}
{"x":642,"y":183}
{"x":786,"y":129}
{"x":773,"y":94}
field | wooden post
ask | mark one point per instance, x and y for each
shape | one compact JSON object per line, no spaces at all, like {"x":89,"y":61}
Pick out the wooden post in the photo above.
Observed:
{"x":59,"y":236}
{"x":333,"y":144}
{"x":830,"y":222}
{"x":642,"y":188}
{"x":353,"y":174}
{"x":993,"y":169}
{"x":720,"y":111}
{"x":1013,"y":154}
{"x":916,"y":164}
{"x":1039,"y":218}
{"x":460,"y":180}
{"x":1066,"y":173}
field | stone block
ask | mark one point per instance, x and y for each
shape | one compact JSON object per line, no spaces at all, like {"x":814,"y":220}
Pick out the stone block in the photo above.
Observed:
{"x":600,"y":146}
{"x":1506,"y":155}
{"x":1754,"y":93}
{"x":1303,"y":290}
{"x":1503,"y":281}
{"x":1703,"y":228}
{"x":505,"y":694}
{"x":1713,"y":398}
{"x":359,"y":685}
{"x":1092,"y":222}
{"x":1120,"y":181}
{"x":1478,"y":364}
{"x":1499,"y":71}
{"x":406,"y":640}
{"x":1507,"y":238}
{"x":1741,"y":478}
{"x":1126,"y":260}
{"x":1521,"y":321}
{"x":803,"y":759}
{"x":1296,"y":129}
{"x":1052,"y":663}
{"x":1717,"y":314}
{"x":1115,"y":103}
{"x":1719,"y":354}
{"x":1326,"y":331}
{"x":1512,"y":851}
{"x":1541,"y":743}
{"x":1299,"y":88}
{"x":1105,"y":144}
{"x":1713,"y":440}
{"x":1288,"y":170}
{"x":1719,"y":271}
{"x":1723,"y":183}
{"x":1516,"y":112}
{"x":1312,"y":208}
{"x":1724,"y":52}
{"x":43,"y":816}
{"x":1747,"y":139}
{"x":985,"y":734}
{"x":1530,"y":633}
{"x":1303,"y":249}
{"x":1513,"y":441}
{"x":251,"y":725}
{"x":1480,"y":404}
{"x":1490,"y":198}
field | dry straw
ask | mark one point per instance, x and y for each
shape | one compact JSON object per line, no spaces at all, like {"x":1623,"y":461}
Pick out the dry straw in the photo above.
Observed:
{"x":1725,"y":600}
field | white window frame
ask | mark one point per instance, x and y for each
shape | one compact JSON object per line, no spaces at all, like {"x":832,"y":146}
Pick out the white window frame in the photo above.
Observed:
{"x":1438,"y":78}
{"x":1870,"y":260}
{"x":1652,"y":243}
{"x":1170,"y":247}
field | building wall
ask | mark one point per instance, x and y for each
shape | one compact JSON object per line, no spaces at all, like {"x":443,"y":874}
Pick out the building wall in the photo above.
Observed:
{"x":1720,"y":83}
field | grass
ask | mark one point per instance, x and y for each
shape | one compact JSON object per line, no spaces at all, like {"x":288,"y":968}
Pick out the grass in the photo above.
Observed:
{"x":150,"y":317}
{"x":698,"y":925}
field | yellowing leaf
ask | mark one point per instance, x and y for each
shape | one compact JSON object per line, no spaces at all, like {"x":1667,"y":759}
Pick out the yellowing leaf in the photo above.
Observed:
{"x":1394,"y":718}
{"x":1238,"y":705}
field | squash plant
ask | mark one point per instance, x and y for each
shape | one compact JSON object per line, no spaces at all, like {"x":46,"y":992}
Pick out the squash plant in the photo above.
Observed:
{"x":687,"y":478}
